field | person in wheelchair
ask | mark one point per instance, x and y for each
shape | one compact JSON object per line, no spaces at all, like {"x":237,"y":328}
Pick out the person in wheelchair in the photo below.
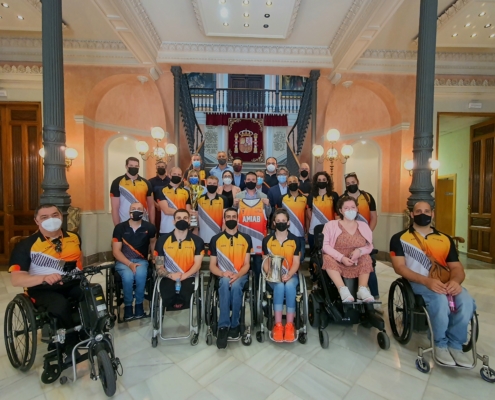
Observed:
{"x":132,"y":241}
{"x":285,"y":244}
{"x":183,"y":253}
{"x":412,"y":251}
{"x":346,"y":247}
{"x":230,"y":261}
{"x":38,"y":263}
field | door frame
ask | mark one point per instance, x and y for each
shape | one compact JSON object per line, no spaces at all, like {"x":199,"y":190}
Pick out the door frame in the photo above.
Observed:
{"x":454,"y":178}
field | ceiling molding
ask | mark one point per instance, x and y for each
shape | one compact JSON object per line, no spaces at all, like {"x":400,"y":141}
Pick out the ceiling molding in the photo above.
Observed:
{"x":197,"y":14}
{"x":21,"y":77}
{"x":346,"y":24}
{"x":145,"y":21}
{"x":36,"y":4}
{"x":21,"y":69}
{"x":471,"y":82}
{"x":125,"y":130}
{"x":67,"y":43}
{"x":293,"y":17}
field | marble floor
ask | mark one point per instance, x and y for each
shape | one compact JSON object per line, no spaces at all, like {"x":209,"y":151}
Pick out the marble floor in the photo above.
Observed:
{"x":353,"y":367}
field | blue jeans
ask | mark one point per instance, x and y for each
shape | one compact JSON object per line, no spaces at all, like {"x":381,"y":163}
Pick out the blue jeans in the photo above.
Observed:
{"x":449,"y":329}
{"x":128,"y":279}
{"x":285,"y":290}
{"x":230,"y":298}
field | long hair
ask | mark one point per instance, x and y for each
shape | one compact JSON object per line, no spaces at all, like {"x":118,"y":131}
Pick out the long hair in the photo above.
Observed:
{"x":314,"y":187}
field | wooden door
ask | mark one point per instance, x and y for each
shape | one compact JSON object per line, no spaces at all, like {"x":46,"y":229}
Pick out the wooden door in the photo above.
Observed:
{"x":20,"y":171}
{"x":246,"y":100}
{"x":481,"y":240}
{"x":445,"y":199}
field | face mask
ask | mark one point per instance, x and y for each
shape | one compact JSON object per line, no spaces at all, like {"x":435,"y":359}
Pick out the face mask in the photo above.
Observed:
{"x":259,"y":181}
{"x":211,"y":188}
{"x":227,"y":181}
{"x":160,"y":171}
{"x":270,"y":168}
{"x":133,"y":171}
{"x":182,"y":225}
{"x":250,"y":185}
{"x":175,"y":179}
{"x":350,"y":214}
{"x":352,"y":188}
{"x":282,"y":179}
{"x":281,"y":226}
{"x":237,"y":168}
{"x":51,"y":224}
{"x":222,"y":161}
{"x":321,"y":185}
{"x":193,"y":180}
{"x":304,"y":174}
{"x":293,"y":187}
{"x":137,"y":215}
{"x":196,"y":164}
{"x":422,"y":219}
{"x":231,"y":223}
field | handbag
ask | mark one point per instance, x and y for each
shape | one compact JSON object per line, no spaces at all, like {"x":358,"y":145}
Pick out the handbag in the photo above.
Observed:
{"x":437,"y":270}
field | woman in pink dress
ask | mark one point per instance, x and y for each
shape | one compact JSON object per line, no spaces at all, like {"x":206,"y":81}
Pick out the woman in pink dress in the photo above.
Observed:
{"x":346,"y":248}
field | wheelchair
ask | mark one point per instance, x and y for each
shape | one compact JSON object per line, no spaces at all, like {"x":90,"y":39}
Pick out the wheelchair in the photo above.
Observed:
{"x":23,"y":320}
{"x":325,"y":304}
{"x":196,"y":304}
{"x":212,"y":310}
{"x":407,"y":314}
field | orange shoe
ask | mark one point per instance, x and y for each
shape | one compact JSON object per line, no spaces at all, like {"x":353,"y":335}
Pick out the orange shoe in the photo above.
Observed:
{"x":278,"y":332}
{"x":289,"y":332}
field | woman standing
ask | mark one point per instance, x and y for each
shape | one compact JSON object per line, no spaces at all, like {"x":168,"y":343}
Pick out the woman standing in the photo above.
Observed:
{"x":228,"y":189}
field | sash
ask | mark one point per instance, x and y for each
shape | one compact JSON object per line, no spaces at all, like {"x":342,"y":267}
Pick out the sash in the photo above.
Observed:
{"x":224,"y":263}
{"x":296,"y":227}
{"x":124,"y":208}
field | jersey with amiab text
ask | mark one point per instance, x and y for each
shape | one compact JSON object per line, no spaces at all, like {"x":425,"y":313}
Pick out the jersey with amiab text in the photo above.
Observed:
{"x":230,"y":250}
{"x":296,"y":207}
{"x":288,"y":249}
{"x":252,"y":221}
{"x":176,"y":199}
{"x":323,"y":210}
{"x":179,"y":255}
{"x":437,"y":244}
{"x":210,"y":216}
{"x":131,"y":191}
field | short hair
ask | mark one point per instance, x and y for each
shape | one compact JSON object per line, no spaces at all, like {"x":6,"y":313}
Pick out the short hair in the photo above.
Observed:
{"x":42,"y":206}
{"x":196,"y":155}
{"x":351,"y":175}
{"x":238,"y":159}
{"x":260,"y":171}
{"x":292,"y":176}
{"x":181,"y":210}
{"x":227,"y":171}
{"x":282,"y":169}
{"x":252,"y":173}
{"x":230,"y":209}
{"x":213,"y":177}
{"x":221,"y":151}
{"x":432,"y":207}
{"x":190,"y":172}
{"x":136,"y":202}
{"x":341,"y":202}
{"x":131,"y":159}
{"x":161,"y":162}
{"x":282,"y":211}
{"x":273,"y":158}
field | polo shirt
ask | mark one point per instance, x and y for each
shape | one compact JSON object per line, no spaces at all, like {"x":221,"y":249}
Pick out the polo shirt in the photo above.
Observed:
{"x":271,"y":180}
{"x":288,"y":249}
{"x":216,"y":171}
{"x":157,"y":184}
{"x":440,"y":246}
{"x":210,"y":213}
{"x":135,"y":243}
{"x":179,"y":254}
{"x":364,"y":208}
{"x":305,"y":186}
{"x":131,"y":191}
{"x":230,"y":250}
{"x":323,"y":209}
{"x":296,"y":207}
{"x":176,"y":198}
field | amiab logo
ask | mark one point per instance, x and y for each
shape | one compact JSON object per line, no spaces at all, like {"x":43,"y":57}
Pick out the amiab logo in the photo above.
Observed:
{"x":251,"y":218}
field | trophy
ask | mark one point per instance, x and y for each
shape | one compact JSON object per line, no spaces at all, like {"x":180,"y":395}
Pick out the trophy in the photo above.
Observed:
{"x":195,"y":192}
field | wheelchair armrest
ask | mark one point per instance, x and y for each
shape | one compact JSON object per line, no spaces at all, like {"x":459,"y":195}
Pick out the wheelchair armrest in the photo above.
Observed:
{"x":197,"y":279}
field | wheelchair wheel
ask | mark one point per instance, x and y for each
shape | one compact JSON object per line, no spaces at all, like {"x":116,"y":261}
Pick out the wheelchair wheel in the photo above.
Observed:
{"x":423,"y":366}
{"x":106,"y":373}
{"x":323,"y":336}
{"x":20,"y":333}
{"x":383,"y":340}
{"x":400,"y":311}
{"x":487,"y":374}
{"x":469,"y":344}
{"x":313,"y":311}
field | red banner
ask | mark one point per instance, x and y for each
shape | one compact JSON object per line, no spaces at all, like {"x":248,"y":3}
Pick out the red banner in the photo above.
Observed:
{"x":246,"y":139}
{"x":217,"y":119}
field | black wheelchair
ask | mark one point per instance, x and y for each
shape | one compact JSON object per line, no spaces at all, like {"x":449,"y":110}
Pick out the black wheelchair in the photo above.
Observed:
{"x":325,"y":304}
{"x":196,"y":312}
{"x":407,"y":314}
{"x":212,"y":310}
{"x":23,"y":320}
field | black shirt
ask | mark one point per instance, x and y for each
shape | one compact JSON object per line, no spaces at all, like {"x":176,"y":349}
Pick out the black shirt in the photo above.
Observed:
{"x":135,"y":244}
{"x":271,"y":180}
{"x":157,"y":184}
{"x":228,"y":196}
{"x":305,"y":186}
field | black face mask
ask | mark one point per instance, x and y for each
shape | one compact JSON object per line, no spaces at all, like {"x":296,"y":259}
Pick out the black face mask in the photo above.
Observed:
{"x":182,"y":225}
{"x":304,"y":174}
{"x":176,"y":179}
{"x":137,"y":215}
{"x":281,"y":226}
{"x":293,"y":186}
{"x":231,"y":223}
{"x":422,"y":219}
{"x":133,"y":171}
{"x":160,"y":171}
{"x":211,"y":188}
{"x":250,"y":185}
{"x":352,"y":188}
{"x":321,"y":185}
{"x":222,"y":161}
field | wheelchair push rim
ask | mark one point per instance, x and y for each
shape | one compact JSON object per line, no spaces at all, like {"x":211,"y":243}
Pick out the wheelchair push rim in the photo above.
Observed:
{"x":400,"y":312}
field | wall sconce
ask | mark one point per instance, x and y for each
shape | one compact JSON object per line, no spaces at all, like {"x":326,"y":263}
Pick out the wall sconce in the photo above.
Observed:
{"x":70,"y":155}
{"x":159,"y":153}
{"x":434,"y":165}
{"x":332,"y":155}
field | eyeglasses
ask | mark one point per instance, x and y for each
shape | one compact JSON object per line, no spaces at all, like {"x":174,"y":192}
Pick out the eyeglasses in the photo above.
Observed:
{"x":58,"y":245}
{"x":350,"y":174}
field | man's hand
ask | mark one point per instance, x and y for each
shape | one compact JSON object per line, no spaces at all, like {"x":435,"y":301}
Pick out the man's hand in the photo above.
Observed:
{"x":162,"y":272}
{"x":234,"y":277}
{"x":453,"y":288}
{"x":265,"y":201}
{"x":133,"y":266}
{"x":193,"y":212}
{"x":436,"y":286}
{"x":286,"y":277}
{"x":236,"y":202}
{"x":52,"y":279}
{"x":355,"y":255}
{"x":227,"y":274}
{"x":175,"y":276}
{"x":347,"y":261}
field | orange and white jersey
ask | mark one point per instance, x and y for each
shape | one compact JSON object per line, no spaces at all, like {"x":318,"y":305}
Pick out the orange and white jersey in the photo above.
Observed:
{"x":252,"y":221}
{"x":296,"y":207}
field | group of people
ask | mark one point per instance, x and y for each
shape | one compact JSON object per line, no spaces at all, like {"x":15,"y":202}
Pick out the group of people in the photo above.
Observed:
{"x":242,"y":219}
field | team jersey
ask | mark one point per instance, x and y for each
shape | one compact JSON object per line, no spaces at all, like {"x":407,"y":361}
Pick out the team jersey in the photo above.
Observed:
{"x":176,"y":199}
{"x":131,"y":191}
{"x":135,"y":243}
{"x":437,"y":244}
{"x":252,"y":221}
{"x":296,"y":207}
{"x":38,"y":255}
{"x":323,"y":209}
{"x":230,"y":250}
{"x":210,"y":216}
{"x":179,"y":255}
{"x":288,"y":249}
{"x":366,"y":204}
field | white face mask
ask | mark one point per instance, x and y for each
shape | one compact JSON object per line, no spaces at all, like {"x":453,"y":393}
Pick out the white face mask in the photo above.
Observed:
{"x":270,"y":168}
{"x":227,"y":181}
{"x":350,"y":214}
{"x":52,"y":224}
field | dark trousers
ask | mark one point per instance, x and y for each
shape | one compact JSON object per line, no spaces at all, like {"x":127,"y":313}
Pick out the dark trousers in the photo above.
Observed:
{"x":176,"y":301}
{"x":373,"y":281}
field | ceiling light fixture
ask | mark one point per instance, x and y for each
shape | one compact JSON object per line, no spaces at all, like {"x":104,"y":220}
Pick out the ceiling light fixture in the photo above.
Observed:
{"x":245,"y":2}
{"x":265,"y":26}
{"x":5,"y":5}
{"x":20,"y":17}
{"x":455,"y":34}
{"x":488,"y":25}
{"x":246,"y":25}
{"x":482,"y":13}
{"x":246,"y":14}
{"x":225,"y":24}
{"x":223,"y":1}
{"x":467,"y":25}
{"x":224,"y":13}
{"x":474,"y":35}
{"x":492,"y":35}
{"x":267,"y":15}
{"x":269,"y":3}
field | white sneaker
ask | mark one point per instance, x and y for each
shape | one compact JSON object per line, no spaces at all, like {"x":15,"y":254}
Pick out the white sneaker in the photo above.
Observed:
{"x":462,"y":359}
{"x":364,"y":294}
{"x":345,"y":295}
{"x":443,"y":356}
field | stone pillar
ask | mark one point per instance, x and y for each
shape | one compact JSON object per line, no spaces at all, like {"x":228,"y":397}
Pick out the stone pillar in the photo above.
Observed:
{"x":177,"y":73}
{"x":421,"y":186}
{"x":313,"y":80}
{"x":54,"y":183}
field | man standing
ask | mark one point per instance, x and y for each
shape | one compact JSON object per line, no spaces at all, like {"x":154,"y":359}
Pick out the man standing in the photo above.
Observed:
{"x":239,"y":177}
{"x":261,"y":185}
{"x":221,"y":167}
{"x":158,"y":182}
{"x":271,"y":171}
{"x":304,"y":179}
{"x":411,"y":251}
{"x":132,"y":242}
{"x":172,"y":198}
{"x":296,"y":204}
{"x":211,"y":206}
{"x":275,"y":193}
{"x":131,"y":188}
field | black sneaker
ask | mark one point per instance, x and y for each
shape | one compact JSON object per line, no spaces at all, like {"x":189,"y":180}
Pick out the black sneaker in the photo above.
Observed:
{"x":139,"y":311}
{"x":222,"y":337}
{"x":235,"y":333}
{"x":128,"y":313}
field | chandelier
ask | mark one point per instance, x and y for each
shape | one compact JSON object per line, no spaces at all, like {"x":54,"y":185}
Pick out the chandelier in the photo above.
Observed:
{"x":332,"y":155}
{"x":157,"y":152}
